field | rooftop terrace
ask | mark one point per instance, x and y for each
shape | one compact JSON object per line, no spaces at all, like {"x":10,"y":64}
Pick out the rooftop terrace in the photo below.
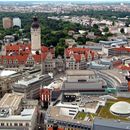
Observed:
{"x":11,"y":100}
{"x":104,"y":111}
{"x":79,"y":72}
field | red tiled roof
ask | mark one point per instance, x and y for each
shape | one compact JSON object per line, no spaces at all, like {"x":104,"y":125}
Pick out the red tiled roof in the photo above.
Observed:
{"x":123,"y":67}
{"x":77,"y":50}
{"x":18,"y":46}
{"x":23,"y":58}
{"x":26,"y":48}
{"x":122,"y":49}
{"x":20,"y":49}
{"x":77,"y":53}
{"x":37,"y":58}
{"x":20,"y":58}
{"x":44,"y":49}
{"x":77,"y":57}
{"x":12,"y":47}
{"x":21,"y":52}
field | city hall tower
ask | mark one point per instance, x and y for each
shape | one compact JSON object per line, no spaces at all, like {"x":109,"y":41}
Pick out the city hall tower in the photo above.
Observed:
{"x":35,"y":35}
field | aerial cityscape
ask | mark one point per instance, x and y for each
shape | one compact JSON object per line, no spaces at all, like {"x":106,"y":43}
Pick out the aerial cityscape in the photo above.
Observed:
{"x":64,"y":65}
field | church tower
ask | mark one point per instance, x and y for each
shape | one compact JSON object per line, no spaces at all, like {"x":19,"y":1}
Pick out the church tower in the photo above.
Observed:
{"x":35,"y":35}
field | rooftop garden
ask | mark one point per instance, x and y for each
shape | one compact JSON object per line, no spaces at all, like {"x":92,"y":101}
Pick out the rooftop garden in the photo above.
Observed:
{"x":80,"y":116}
{"x":104,"y":111}
{"x":83,"y":115}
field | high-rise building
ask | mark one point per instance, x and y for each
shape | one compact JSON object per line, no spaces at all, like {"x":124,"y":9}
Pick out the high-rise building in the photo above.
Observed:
{"x":35,"y":35}
{"x":7,"y":22}
{"x":17,"y":22}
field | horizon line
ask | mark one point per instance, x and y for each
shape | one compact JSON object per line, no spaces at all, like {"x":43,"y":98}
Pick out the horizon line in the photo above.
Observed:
{"x":89,"y":1}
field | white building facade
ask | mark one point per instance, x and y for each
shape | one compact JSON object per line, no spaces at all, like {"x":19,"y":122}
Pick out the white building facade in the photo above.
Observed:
{"x":17,"y":22}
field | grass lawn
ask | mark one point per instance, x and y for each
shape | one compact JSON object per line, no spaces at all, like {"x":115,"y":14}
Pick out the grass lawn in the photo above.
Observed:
{"x":80,"y":116}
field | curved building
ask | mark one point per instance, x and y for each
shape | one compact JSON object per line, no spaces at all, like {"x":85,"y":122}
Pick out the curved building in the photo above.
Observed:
{"x":121,"y":108}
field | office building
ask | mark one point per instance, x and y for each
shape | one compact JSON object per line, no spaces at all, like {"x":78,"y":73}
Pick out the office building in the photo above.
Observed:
{"x":83,"y":81}
{"x":118,"y":51}
{"x":17,"y":22}
{"x":7,"y":22}
{"x":105,"y":124}
{"x":30,"y":86}
{"x":7,"y":78}
{"x":13,"y":114}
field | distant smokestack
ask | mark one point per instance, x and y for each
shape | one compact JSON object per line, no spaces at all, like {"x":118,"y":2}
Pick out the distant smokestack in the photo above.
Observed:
{"x":55,"y":126}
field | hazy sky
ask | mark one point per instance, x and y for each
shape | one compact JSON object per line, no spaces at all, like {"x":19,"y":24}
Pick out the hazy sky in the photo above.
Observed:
{"x":74,"y":0}
{"x":90,"y":1}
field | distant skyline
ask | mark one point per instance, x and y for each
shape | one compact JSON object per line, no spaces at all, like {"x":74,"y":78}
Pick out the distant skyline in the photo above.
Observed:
{"x":73,"y":0}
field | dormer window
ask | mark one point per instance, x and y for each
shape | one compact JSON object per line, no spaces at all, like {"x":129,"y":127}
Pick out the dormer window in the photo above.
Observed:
{"x":15,"y":61}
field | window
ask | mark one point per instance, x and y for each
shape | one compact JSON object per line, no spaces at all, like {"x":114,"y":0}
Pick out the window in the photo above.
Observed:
{"x":82,"y":80}
{"x":71,"y":114}
{"x":0,"y":94}
{"x":20,"y":124}
{"x":27,"y":124}
{"x":15,"y":124}
{"x":2,"y":124}
{"x":5,"y":61}
{"x":15,"y":61}
{"x":10,"y":61}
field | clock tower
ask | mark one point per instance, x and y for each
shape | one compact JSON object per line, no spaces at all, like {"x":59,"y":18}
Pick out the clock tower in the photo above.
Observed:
{"x":35,"y":35}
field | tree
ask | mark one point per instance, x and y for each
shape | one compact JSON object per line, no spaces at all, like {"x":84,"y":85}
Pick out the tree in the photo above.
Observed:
{"x":81,"y":40}
{"x":113,"y":23}
{"x":106,"y":29}
{"x":98,"y":33}
{"x":61,"y":41}
{"x":95,"y":26}
{"x":59,"y":50}
{"x":122,"y":30}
